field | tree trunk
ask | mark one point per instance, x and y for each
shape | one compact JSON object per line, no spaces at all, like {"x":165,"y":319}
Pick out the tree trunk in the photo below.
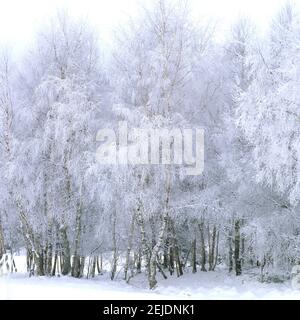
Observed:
{"x":93,"y":269}
{"x":49,"y":251}
{"x":129,"y":247}
{"x":75,"y":272}
{"x":39,"y":262}
{"x":165,"y":257}
{"x":242,"y":250}
{"x":230,"y":251}
{"x":114,"y":241}
{"x":76,"y":266}
{"x":29,"y":261}
{"x":65,"y":252}
{"x":53,"y":272}
{"x":99,"y":264}
{"x":48,"y":247}
{"x":82,"y":264}
{"x":56,"y":263}
{"x":139,"y":261}
{"x":145,"y":252}
{"x":65,"y":247}
{"x":2,"y":243}
{"x":176,"y":249}
{"x":194,"y":256}
{"x":161,"y":270}
{"x":27,"y":231}
{"x":152,"y":268}
{"x":162,"y":232}
{"x":153,"y":232}
{"x":31,"y":240}
{"x":237,"y":240}
{"x":217,"y":251}
{"x":212,"y":243}
{"x":171,"y":260}
{"x":202,"y":246}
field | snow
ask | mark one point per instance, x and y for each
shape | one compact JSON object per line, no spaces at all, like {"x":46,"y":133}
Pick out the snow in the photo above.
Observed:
{"x":212,"y":285}
{"x":202,"y":285}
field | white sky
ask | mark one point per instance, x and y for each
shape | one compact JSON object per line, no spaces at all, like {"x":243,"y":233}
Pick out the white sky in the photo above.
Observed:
{"x":19,"y":19}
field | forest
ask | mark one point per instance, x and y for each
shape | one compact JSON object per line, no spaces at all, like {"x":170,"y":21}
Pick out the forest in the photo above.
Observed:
{"x":70,"y":214}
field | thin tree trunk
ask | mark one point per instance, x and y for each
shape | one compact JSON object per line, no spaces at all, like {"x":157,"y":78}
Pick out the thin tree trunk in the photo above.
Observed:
{"x":114,"y":240}
{"x":76,"y":257}
{"x":93,"y":271}
{"x":99,"y":264}
{"x":139,"y":261}
{"x":171,"y":260}
{"x":39,"y":262}
{"x":129,"y":248}
{"x":165,"y":257}
{"x":29,"y":261}
{"x":212,"y":243}
{"x":49,"y":251}
{"x":2,"y":243}
{"x":194,"y":257}
{"x":188,"y":255}
{"x":54,"y":265}
{"x":65,"y":252}
{"x":202,"y":246}
{"x":153,"y":233}
{"x":82,"y":265}
{"x":31,"y":240}
{"x":161,"y":270}
{"x":230,"y":250}
{"x":13,"y":267}
{"x":152,"y":268}
{"x":162,"y":232}
{"x":237,"y":240}
{"x":176,"y":249}
{"x":217,"y":251}
{"x":145,"y":252}
{"x":89,"y":267}
{"x":242,"y":250}
{"x":48,"y":247}
{"x":65,"y":247}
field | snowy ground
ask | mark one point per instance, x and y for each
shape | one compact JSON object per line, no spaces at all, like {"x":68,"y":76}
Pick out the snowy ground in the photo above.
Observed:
{"x":203,"y":285}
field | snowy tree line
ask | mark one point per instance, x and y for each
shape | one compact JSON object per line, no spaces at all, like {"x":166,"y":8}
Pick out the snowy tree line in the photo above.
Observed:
{"x":165,"y":71}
